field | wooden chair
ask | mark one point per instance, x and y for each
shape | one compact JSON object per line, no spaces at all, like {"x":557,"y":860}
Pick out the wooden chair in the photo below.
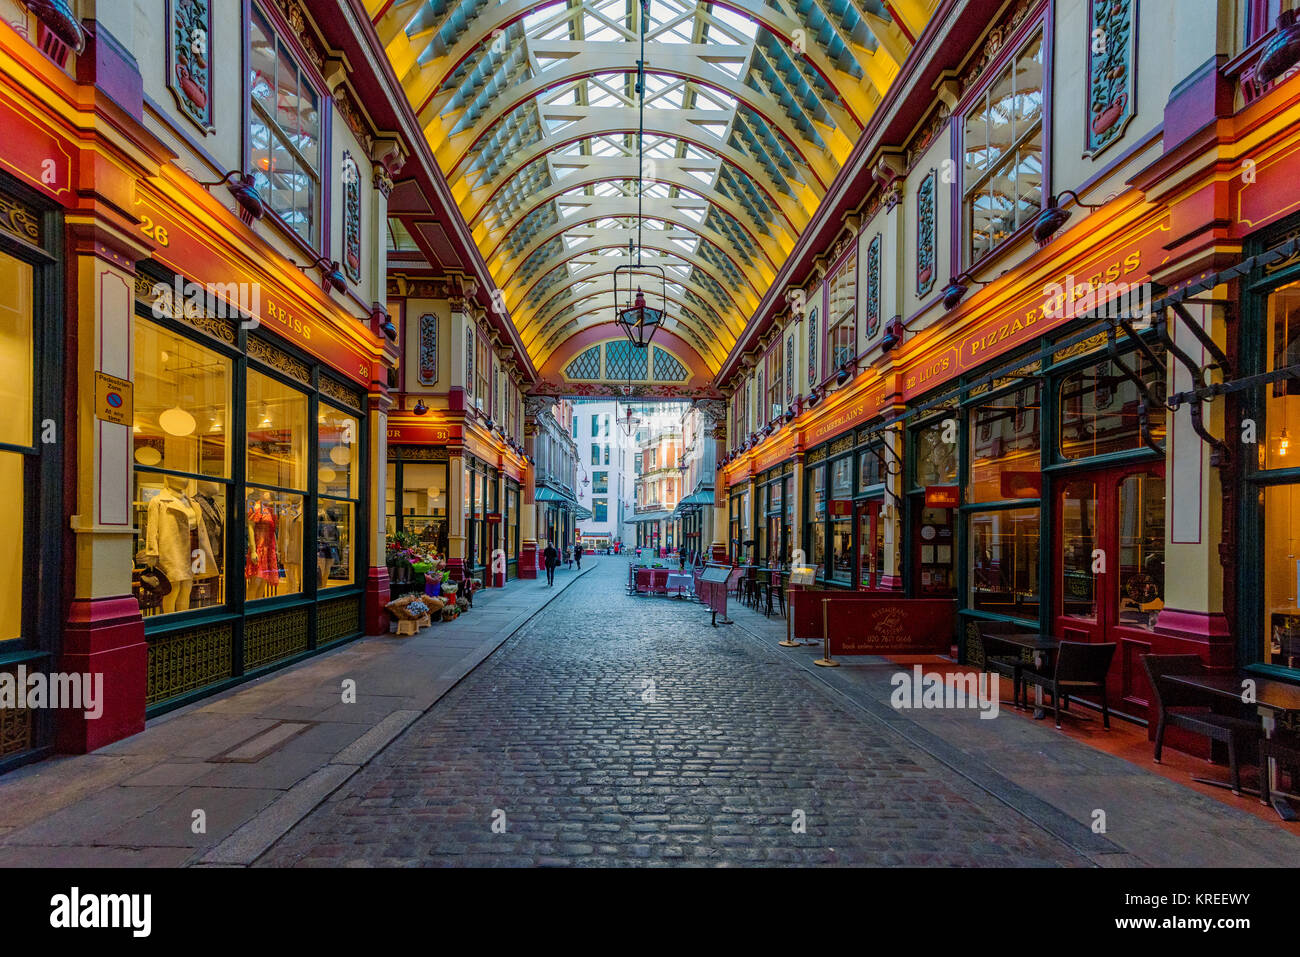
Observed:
{"x":1194,"y":713}
{"x":1080,"y":666}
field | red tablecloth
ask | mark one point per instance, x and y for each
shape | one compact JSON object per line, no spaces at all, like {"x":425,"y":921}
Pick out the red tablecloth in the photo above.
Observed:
{"x":652,"y":580}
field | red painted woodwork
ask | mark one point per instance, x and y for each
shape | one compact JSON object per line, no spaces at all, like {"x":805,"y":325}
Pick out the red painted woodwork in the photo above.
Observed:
{"x":377,"y":596}
{"x":528,"y":556}
{"x":104,"y":636}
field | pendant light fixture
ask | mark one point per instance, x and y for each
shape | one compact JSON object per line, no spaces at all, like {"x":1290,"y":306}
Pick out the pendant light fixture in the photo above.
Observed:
{"x":638,"y":319}
{"x":176,"y":421}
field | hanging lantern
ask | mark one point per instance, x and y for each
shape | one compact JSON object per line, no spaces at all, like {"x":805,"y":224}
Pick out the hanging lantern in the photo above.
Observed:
{"x":638,"y":318}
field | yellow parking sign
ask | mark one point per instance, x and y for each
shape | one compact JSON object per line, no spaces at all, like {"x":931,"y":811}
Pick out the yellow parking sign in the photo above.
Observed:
{"x":113,"y":398}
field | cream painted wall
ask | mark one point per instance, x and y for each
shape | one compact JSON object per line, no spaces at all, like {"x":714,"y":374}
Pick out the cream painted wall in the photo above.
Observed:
{"x":933,"y":159}
{"x":415,"y":308}
{"x":140,"y":25}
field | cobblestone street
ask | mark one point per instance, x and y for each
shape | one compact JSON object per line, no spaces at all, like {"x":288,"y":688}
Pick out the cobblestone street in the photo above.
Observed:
{"x":621,"y":730}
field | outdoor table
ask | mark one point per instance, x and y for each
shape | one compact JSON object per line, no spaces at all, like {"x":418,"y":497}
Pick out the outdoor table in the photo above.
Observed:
{"x":680,"y":580}
{"x":1042,"y":647}
{"x":1272,"y":698}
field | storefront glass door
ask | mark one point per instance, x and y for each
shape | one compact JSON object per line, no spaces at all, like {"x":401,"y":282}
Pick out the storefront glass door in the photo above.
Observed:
{"x":871,"y":545}
{"x":1109,"y":571}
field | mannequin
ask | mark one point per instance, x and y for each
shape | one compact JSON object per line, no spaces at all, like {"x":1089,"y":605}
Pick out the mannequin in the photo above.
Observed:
{"x":291,"y":546}
{"x":176,"y":540}
{"x":328,"y":535}
{"x":262,"y":566}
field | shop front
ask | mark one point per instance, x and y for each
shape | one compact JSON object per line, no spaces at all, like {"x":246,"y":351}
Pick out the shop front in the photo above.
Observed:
{"x":1268,"y":612}
{"x":31,"y":235}
{"x":250,"y":502}
{"x":775,"y":488}
{"x":845,"y":529}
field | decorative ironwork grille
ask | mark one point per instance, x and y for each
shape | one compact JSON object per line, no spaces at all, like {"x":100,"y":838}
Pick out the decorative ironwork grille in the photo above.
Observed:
{"x":185,"y":661}
{"x":270,"y":638}
{"x":337,"y":619}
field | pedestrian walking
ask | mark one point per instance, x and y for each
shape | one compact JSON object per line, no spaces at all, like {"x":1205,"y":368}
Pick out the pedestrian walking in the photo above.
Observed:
{"x":552,"y":558}
{"x":568,"y":556}
{"x":577,"y":555}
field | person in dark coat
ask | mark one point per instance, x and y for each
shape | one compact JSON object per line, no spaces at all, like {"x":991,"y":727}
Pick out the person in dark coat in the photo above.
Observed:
{"x":577,"y":555}
{"x":551,"y":558}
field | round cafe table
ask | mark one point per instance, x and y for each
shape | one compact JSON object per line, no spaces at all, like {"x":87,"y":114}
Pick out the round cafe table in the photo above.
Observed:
{"x":681,"y":581}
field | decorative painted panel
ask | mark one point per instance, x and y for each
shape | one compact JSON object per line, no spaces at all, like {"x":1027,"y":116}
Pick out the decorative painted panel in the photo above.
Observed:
{"x":428,"y":371}
{"x":873,"y":286}
{"x":351,"y":217}
{"x":812,"y":347}
{"x":469,"y":365}
{"x":189,"y":59}
{"x":789,"y":369}
{"x":926,"y":227}
{"x":1112,"y":72}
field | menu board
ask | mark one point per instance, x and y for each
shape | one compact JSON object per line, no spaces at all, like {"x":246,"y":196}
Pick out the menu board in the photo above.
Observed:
{"x":715,"y":574}
{"x":803,"y":575}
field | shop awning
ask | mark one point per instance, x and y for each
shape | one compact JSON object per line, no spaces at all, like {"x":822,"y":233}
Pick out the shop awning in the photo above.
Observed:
{"x":583,"y":513}
{"x":547,"y":494}
{"x":697,"y":499}
{"x":650,"y":517}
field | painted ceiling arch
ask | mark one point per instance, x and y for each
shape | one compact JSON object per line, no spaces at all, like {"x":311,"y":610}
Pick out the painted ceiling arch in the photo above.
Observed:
{"x":751,"y":107}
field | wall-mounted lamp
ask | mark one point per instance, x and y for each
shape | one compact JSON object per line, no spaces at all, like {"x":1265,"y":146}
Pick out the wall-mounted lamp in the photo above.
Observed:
{"x":789,"y":413}
{"x":1053,"y":217}
{"x":61,"y":21}
{"x":420,"y":407}
{"x":1282,"y":51}
{"x":814,"y":397}
{"x":331,"y":274}
{"x":956,"y":290}
{"x":893,"y":334}
{"x":245,"y":193}
{"x":380,"y":318}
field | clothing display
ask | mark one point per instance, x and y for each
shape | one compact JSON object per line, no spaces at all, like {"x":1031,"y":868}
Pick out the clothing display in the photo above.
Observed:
{"x":214,"y":522}
{"x":263,"y":554}
{"x":176,"y":538}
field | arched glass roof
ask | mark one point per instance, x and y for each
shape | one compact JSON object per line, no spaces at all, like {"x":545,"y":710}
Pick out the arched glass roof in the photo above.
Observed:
{"x":751,"y":107}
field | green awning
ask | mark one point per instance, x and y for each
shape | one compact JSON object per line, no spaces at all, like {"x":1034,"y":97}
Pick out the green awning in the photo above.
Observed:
{"x":702,"y":497}
{"x":649,"y":517}
{"x":545,"y":493}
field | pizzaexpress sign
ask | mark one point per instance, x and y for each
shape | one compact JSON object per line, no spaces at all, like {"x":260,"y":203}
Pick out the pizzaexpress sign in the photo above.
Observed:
{"x":1094,"y":287}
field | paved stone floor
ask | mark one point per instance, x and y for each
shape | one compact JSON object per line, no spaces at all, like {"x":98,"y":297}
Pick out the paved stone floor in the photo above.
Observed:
{"x":621,"y":730}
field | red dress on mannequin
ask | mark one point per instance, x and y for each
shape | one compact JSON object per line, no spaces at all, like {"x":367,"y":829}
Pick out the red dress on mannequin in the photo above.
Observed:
{"x":263,"y":558}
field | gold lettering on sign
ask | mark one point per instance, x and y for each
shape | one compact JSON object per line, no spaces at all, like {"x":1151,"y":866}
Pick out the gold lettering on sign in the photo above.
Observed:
{"x":287,"y":319}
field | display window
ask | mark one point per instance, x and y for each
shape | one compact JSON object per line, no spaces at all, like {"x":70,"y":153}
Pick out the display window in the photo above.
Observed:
{"x":182,"y":471}
{"x":1004,"y":562}
{"x":936,"y":453}
{"x":815,"y":526}
{"x":238,"y":471}
{"x":1004,"y":437}
{"x":17,"y":387}
{"x":337,"y":484}
{"x":1098,"y":407}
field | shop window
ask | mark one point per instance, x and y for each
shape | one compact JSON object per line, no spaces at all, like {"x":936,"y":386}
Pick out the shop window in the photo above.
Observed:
{"x":17,"y":383}
{"x":814,"y":527}
{"x":1079,"y":542}
{"x":1282,"y":412}
{"x":936,"y":453}
{"x":841,"y":313}
{"x":870,"y":472}
{"x":337,"y":483}
{"x":483,"y":369}
{"x":391,"y":503}
{"x":1141,"y":579}
{"x":1003,"y":140}
{"x":284,"y":131}
{"x":1005,"y":432}
{"x":1004,"y":562}
{"x":276,"y":421}
{"x":1099,"y":408}
{"x":181,"y":417}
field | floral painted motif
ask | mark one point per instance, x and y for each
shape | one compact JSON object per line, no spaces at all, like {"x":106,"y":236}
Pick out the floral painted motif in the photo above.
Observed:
{"x":873,"y":286}
{"x":812,"y":347}
{"x":1112,"y":79}
{"x":351,"y":217}
{"x":926,"y":225}
{"x":189,"y":59}
{"x":428,"y":350}
{"x":789,"y":369}
{"x":469,"y":366}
